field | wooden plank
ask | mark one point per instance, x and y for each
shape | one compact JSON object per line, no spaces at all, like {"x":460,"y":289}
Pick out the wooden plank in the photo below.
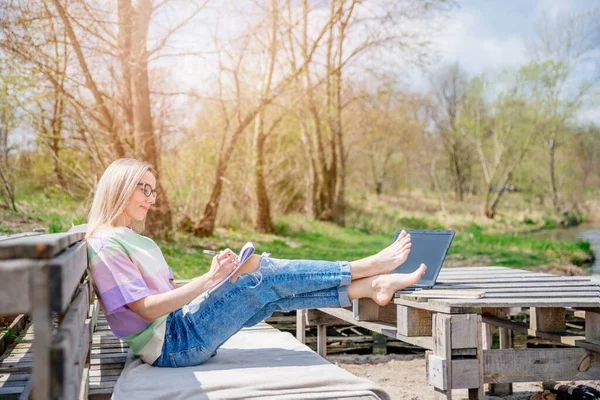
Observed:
{"x":66,"y":271}
{"x":442,"y":348}
{"x":85,"y":383}
{"x":496,"y":276}
{"x":528,"y":279}
{"x":14,"y":377}
{"x":534,"y":365}
{"x":524,"y":328}
{"x":462,"y":270}
{"x":437,"y":307}
{"x":76,"y":380}
{"x":523,"y":288}
{"x":516,"y":285}
{"x":592,"y":327}
{"x":94,"y":311}
{"x":477,"y":267}
{"x":38,"y":247}
{"x":322,"y":340}
{"x":436,"y":372}
{"x":15,"y":286}
{"x":413,"y":321}
{"x":465,"y":374}
{"x":41,"y":318}
{"x":548,"y":319}
{"x":476,"y":390}
{"x":301,"y":325}
{"x":368,"y":310}
{"x":26,"y":393}
{"x":67,"y":344}
{"x":515,"y":302}
{"x":316,"y":317}
{"x":14,"y":329}
{"x":105,"y":372}
{"x":464,"y":331}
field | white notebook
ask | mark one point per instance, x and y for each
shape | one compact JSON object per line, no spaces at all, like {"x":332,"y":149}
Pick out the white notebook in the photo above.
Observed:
{"x":244,"y":255}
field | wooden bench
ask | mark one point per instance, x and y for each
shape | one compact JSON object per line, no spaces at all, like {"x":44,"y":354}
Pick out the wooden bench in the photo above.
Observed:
{"x":44,"y":280}
{"x":457,"y":332}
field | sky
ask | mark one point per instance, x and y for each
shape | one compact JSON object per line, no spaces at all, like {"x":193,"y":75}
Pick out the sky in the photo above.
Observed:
{"x":487,"y":36}
{"x":483,"y":36}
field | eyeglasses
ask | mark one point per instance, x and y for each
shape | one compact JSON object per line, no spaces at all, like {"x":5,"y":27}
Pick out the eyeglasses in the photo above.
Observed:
{"x":147,"y":189}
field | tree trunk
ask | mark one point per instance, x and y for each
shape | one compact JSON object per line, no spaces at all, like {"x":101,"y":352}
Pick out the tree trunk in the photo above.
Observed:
{"x":552,"y":170}
{"x":125,"y":14}
{"x":8,"y":187}
{"x":206,"y":226}
{"x":54,"y":141}
{"x":108,"y":120}
{"x":437,"y":185}
{"x":312,"y":178}
{"x":262,"y":219}
{"x":159,"y":222}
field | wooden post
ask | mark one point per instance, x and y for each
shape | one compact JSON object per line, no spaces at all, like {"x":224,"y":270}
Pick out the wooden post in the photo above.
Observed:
{"x":413,"y":321}
{"x":322,"y":340}
{"x":592,"y":327}
{"x":478,"y":392}
{"x":547,"y":319}
{"x":368,"y":310}
{"x":505,"y":342}
{"x":301,"y":326}
{"x":42,"y":322}
{"x":379,"y":344}
{"x":503,"y":389}
{"x":461,"y":335}
{"x":440,"y":365}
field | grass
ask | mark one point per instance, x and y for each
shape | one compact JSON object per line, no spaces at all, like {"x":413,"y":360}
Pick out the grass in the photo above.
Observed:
{"x":371,"y":225}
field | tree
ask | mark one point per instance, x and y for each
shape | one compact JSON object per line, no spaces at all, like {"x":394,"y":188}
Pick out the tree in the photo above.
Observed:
{"x":8,"y":123}
{"x":450,"y":87}
{"x":76,"y":47}
{"x":563,"y":43}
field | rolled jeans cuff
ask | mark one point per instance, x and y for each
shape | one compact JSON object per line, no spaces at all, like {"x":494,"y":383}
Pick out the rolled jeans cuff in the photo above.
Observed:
{"x":346,"y":273}
{"x":344,"y":283}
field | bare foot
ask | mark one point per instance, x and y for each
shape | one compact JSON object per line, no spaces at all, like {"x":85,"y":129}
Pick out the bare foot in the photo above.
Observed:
{"x":384,"y":286}
{"x":392,"y":256}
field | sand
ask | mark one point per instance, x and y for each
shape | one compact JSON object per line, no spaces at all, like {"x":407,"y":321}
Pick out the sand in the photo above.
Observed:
{"x":403,"y":377}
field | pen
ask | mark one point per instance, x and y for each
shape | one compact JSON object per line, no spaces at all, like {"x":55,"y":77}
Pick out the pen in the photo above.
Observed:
{"x":211,"y":252}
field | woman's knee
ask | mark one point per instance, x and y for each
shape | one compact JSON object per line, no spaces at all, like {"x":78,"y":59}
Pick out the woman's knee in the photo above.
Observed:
{"x":249,"y":266}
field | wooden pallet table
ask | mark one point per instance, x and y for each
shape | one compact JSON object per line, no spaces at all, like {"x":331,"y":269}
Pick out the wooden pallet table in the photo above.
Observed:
{"x":457,"y":333}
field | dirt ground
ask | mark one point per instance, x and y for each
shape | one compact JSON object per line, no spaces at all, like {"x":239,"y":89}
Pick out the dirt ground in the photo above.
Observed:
{"x":403,"y":377}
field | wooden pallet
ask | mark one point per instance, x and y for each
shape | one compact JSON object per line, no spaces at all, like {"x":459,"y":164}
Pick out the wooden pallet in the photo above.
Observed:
{"x":107,"y":360}
{"x":457,"y":330}
{"x":16,"y":364}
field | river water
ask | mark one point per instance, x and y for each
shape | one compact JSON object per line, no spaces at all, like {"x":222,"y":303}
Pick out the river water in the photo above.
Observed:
{"x":589,"y":232}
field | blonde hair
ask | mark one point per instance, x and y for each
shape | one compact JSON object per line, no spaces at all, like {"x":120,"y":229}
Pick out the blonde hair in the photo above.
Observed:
{"x":116,"y":186}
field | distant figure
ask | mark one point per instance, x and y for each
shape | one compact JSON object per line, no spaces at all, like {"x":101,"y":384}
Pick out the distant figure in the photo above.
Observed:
{"x":170,"y":326}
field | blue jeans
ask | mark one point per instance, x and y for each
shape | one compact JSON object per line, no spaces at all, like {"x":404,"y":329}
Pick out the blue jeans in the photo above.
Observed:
{"x":195,"y":331}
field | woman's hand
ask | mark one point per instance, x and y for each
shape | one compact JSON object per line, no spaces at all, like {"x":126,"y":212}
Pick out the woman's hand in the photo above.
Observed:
{"x":222,"y":264}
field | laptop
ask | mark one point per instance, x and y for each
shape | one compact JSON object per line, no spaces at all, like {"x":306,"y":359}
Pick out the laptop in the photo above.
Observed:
{"x":428,"y":247}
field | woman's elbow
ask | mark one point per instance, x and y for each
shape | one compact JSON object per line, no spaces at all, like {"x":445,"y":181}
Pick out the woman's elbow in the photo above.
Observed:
{"x":141,"y":308}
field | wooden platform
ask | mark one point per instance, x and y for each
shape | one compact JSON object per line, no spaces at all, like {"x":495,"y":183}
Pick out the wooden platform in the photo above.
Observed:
{"x":457,"y":332}
{"x":107,"y":360}
{"x":16,"y":364}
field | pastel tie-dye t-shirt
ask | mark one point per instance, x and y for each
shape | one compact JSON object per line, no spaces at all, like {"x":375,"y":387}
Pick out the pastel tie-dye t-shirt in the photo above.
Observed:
{"x":127,"y":267}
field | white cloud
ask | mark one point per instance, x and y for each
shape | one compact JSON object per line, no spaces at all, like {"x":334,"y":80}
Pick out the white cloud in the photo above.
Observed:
{"x":468,"y":41}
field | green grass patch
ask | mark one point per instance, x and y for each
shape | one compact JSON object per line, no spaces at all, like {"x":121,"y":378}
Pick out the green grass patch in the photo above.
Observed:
{"x":370,"y":227}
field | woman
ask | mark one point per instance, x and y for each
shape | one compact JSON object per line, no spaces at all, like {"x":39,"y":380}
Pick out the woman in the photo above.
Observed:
{"x":170,"y":326}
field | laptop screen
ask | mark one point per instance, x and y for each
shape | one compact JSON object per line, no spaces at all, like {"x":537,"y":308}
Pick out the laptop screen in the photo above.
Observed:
{"x":430,"y":248}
